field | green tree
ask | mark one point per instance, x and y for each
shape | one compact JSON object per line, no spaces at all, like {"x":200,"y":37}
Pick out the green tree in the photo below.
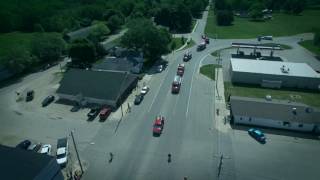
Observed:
{"x":115,"y":22}
{"x":142,"y":34}
{"x":224,"y":17}
{"x":316,"y":39}
{"x":99,"y":32}
{"x":82,"y":51}
{"x":255,"y":11}
{"x":18,"y":60}
{"x":47,"y":47}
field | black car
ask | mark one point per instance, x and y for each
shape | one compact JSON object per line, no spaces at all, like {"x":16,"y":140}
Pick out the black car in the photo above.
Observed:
{"x":30,"y":95}
{"x":47,"y":100}
{"x":24,"y":144}
{"x":138,"y":99}
{"x":93,"y":113}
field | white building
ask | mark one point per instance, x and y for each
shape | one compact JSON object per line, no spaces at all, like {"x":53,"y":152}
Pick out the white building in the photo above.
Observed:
{"x":275,"y":113}
{"x":274,"y":74}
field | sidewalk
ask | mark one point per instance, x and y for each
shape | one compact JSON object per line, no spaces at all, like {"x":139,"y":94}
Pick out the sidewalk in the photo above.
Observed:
{"x":221,"y":112}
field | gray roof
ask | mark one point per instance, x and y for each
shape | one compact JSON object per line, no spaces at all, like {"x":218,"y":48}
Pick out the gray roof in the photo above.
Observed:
{"x":21,"y":164}
{"x":273,"y":67}
{"x":114,"y":64}
{"x":95,"y":84}
{"x":274,"y":109}
{"x":80,"y":33}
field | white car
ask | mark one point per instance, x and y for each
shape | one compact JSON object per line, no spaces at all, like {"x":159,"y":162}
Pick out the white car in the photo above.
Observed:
{"x":144,"y":90}
{"x":160,"y":68}
{"x":46,"y":149}
{"x":62,"y":151}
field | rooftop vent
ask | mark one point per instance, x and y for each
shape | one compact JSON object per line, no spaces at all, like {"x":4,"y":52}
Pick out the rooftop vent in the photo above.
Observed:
{"x":284,"y":69}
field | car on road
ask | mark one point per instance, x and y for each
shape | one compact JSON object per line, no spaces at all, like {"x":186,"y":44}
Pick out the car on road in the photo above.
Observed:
{"x":176,"y":84}
{"x":180,"y":70}
{"x":30,"y":95}
{"x":257,"y":134}
{"x":35,"y":147}
{"x":47,"y":100}
{"x":205,"y":39}
{"x":46,"y":149}
{"x":93,"y":113}
{"x":187,"y":56}
{"x":144,"y":90}
{"x":104,"y":113}
{"x":62,"y":152}
{"x":158,"y":126}
{"x":138,"y":99}
{"x":24,"y":144}
{"x":201,"y":46}
{"x":160,"y":68}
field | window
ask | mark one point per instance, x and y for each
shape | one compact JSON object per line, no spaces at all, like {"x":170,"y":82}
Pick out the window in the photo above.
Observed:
{"x":300,"y":125}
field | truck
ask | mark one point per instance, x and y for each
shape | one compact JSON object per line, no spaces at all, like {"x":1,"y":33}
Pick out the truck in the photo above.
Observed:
{"x":201,"y":46}
{"x":180,"y":70}
{"x":176,"y":84}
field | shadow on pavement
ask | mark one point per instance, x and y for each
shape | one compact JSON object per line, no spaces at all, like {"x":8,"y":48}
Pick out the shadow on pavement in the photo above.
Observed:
{"x":282,"y":132}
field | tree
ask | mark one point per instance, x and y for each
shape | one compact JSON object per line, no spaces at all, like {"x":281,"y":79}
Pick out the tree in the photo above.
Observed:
{"x":99,"y":31}
{"x":316,"y":39}
{"x":224,"y":17}
{"x":115,"y":22}
{"x":142,"y":34}
{"x":18,"y":60}
{"x":82,"y":51}
{"x":255,"y":11}
{"x":47,"y":47}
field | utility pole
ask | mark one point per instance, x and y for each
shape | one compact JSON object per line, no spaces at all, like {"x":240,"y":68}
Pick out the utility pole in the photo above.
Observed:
{"x":75,"y":147}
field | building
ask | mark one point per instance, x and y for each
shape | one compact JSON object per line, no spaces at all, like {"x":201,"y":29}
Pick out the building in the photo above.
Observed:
{"x":88,"y":87}
{"x":21,"y":164}
{"x":274,"y":74}
{"x":275,"y":113}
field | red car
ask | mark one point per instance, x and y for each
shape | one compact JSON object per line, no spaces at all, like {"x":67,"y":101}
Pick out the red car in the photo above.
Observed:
{"x":104,"y":113}
{"x":158,"y":126}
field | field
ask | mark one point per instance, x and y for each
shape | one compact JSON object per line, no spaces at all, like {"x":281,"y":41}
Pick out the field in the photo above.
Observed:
{"x":309,"y":98}
{"x":281,"y":25}
{"x":309,"y":45}
{"x":209,"y":70}
{"x":178,"y":43}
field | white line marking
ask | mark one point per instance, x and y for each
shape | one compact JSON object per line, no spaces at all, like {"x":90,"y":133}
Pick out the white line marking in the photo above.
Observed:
{"x":192,"y":82}
{"x":195,"y":26}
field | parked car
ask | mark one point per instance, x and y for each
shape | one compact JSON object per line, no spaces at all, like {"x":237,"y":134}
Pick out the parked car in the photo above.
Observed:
{"x":30,"y":95}
{"x":93,"y":113}
{"x":158,"y":126}
{"x":24,"y":144}
{"x":144,"y":90}
{"x":257,"y":134}
{"x":62,"y":152}
{"x":47,"y":100}
{"x":160,"y":68}
{"x":104,"y":113}
{"x":46,"y":149}
{"x":138,"y":99}
{"x":35,"y":147}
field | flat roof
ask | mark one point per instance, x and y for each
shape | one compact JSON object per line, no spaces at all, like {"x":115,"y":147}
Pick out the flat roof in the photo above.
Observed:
{"x":273,"y":68}
{"x":274,"y":109}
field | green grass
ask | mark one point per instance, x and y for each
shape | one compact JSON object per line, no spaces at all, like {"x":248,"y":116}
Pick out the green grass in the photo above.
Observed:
{"x":281,"y":25}
{"x":309,"y":98}
{"x":209,"y":70}
{"x":16,"y":40}
{"x":311,"y":47}
{"x":190,"y":44}
{"x":178,"y":43}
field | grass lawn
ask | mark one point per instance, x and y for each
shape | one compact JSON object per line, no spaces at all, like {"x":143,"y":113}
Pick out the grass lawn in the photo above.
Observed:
{"x":281,"y":25}
{"x":311,"y":47}
{"x":216,"y":53}
{"x":178,"y":43}
{"x":310,"y":98}
{"x":15,"y":40}
{"x":209,"y":70}
{"x":191,"y":43}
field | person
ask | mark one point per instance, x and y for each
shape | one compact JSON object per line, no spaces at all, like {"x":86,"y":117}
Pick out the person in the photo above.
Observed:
{"x":111,"y":157}
{"x":169,"y":157}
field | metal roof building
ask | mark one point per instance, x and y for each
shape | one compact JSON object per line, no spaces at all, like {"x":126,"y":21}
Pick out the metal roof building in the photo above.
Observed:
{"x":275,"y":113}
{"x":274,"y":74}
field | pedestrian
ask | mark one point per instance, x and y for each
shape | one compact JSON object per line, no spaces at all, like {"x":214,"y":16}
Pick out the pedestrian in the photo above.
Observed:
{"x":169,"y":158}
{"x":111,"y":157}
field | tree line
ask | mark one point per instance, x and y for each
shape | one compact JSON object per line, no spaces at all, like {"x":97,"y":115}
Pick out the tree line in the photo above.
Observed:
{"x":224,"y":9}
